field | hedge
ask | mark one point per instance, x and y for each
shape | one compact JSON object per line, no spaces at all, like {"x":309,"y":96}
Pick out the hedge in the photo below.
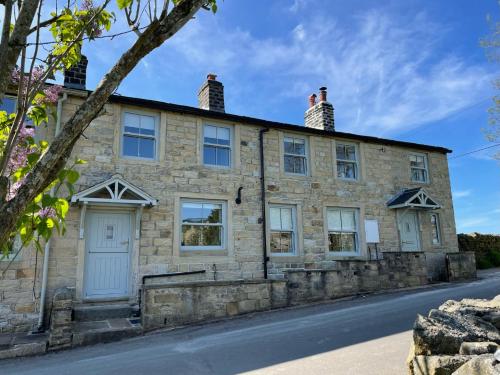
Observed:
{"x":486,"y":247}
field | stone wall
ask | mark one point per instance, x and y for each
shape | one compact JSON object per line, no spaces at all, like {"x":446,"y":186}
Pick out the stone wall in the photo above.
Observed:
{"x":181,"y":303}
{"x":461,"y":266}
{"x":61,"y":330}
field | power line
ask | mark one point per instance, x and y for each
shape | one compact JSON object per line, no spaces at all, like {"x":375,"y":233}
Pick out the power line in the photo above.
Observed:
{"x":474,"y":151}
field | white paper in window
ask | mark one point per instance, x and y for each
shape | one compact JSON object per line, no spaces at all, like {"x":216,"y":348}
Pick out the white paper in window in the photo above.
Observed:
{"x":333,"y":218}
{"x":286,"y":219}
{"x":275,"y":218}
{"x":348,"y":220}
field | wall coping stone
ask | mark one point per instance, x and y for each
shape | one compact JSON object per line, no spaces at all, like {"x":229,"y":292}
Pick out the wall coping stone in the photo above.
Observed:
{"x":208,"y":283}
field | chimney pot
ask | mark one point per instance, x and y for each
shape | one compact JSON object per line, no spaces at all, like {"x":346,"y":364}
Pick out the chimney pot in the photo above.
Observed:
{"x":212,"y":77}
{"x":322,"y":94}
{"x":312,"y":100}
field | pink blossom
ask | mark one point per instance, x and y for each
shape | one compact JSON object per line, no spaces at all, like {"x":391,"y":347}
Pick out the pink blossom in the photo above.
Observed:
{"x":51,"y":95}
{"x":21,"y":151}
{"x":47,"y":212}
{"x":13,"y":188}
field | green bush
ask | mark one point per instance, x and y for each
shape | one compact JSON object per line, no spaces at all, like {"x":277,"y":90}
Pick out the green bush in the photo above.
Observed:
{"x":485,"y":246}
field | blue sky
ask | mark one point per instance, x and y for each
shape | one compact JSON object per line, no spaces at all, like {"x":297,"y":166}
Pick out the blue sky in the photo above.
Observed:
{"x":409,"y":70}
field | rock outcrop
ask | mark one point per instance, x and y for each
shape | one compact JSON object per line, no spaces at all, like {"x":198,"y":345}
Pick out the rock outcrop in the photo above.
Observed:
{"x":459,"y":338}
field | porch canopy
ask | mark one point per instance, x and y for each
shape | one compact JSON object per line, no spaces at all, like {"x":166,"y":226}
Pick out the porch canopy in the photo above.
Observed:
{"x":114,"y":192}
{"x":413,"y":198}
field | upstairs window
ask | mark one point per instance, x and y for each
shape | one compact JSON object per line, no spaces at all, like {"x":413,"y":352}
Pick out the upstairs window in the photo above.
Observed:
{"x":217,"y":146}
{"x":203,"y":225}
{"x":419,"y":169}
{"x":295,"y":154}
{"x":283,"y":230}
{"x":139,"y":135}
{"x":347,"y":161}
{"x":8,"y":104}
{"x":436,"y":233}
{"x":342,"y":230}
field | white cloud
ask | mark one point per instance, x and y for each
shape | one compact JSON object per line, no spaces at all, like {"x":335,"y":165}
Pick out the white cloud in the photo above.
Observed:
{"x":384,"y":75}
{"x":461,"y":193}
{"x":298,"y":5}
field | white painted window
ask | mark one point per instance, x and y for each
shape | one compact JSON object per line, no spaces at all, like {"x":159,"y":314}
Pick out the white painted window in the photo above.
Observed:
{"x":283,"y":229}
{"x":419,"y":168}
{"x":347,"y":161}
{"x":140,"y":135}
{"x":342,"y":230}
{"x":295,"y":155}
{"x":436,"y":233}
{"x":217,"y":146}
{"x":203,"y":224}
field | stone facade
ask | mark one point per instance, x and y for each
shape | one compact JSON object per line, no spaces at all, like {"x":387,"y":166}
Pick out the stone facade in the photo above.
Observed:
{"x":178,"y":172}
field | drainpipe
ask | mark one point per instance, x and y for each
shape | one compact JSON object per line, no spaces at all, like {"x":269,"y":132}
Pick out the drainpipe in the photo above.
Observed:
{"x":265,"y":258}
{"x":46,"y":250}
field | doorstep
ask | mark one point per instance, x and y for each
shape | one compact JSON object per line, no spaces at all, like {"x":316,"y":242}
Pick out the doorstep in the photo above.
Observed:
{"x":102,"y":331}
{"x":21,"y":344}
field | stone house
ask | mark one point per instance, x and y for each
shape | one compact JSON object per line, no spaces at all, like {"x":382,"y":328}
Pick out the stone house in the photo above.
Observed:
{"x":176,"y":189}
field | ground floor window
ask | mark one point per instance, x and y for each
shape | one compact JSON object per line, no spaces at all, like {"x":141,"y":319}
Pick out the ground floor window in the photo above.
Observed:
{"x":203,"y":225}
{"x":283,"y":229}
{"x":342,"y":230}
{"x":436,"y":233}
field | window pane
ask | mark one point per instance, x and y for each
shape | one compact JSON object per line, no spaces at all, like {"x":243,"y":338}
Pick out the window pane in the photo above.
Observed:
{"x":8,"y":105}
{"x":289,"y":164}
{"x":299,"y":165}
{"x":419,"y":175}
{"x":209,"y":155}
{"x":348,"y":220}
{"x":300,"y":146}
{"x":210,"y":134}
{"x":281,"y":242}
{"x":148,"y":125}
{"x":223,"y":136}
{"x":147,"y":148}
{"x":333,"y":218}
{"x":212,"y":213}
{"x":289,"y":146}
{"x":435,"y":230}
{"x":131,"y":123}
{"x":275,"y":218}
{"x":130,"y":146}
{"x":350,"y":152}
{"x":223,"y":156}
{"x":340,"y":150}
{"x":192,"y":212}
{"x":286,"y":219}
{"x":211,"y":236}
{"x":334,"y":242}
{"x":417,"y":161}
{"x":348,"y":242}
{"x":346,"y":170}
{"x":191,"y":235}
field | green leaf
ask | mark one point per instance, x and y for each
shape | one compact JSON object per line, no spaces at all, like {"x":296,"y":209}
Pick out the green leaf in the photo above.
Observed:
{"x":72,"y":176}
{"x":80,"y":161}
{"x":62,"y":207}
{"x":123,"y":3}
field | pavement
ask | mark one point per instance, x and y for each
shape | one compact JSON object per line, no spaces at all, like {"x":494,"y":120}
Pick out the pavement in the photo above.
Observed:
{"x":363,"y":335}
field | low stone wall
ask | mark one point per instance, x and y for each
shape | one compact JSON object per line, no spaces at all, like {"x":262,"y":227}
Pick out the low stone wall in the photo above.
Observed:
{"x":461,"y":266}
{"x":61,"y":331}
{"x":181,"y":303}
{"x":396,"y":270}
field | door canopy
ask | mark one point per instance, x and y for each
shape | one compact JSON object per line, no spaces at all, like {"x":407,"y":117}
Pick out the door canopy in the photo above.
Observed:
{"x":114,"y":191}
{"x":413,"y":198}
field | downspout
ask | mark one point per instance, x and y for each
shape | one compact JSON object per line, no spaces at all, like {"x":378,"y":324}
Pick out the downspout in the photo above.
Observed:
{"x":265,"y":258}
{"x":46,"y":250}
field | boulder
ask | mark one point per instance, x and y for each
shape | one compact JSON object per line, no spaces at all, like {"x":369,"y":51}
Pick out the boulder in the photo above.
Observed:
{"x":478,"y":348}
{"x":443,"y":332}
{"x":437,"y":364}
{"x":480,"y":365}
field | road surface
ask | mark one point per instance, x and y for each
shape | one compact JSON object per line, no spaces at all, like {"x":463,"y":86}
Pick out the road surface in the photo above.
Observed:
{"x":366,"y":335}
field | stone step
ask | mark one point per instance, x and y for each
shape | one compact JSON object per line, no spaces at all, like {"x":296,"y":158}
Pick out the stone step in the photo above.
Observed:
{"x":95,"y":312}
{"x":22,"y":344}
{"x":94,"y":332}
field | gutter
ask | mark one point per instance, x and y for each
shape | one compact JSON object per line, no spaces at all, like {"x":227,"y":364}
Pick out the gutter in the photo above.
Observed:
{"x":46,"y":250}
{"x":265,"y":258}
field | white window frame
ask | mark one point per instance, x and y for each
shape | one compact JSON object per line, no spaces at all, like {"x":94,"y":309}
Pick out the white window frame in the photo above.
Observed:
{"x":223,"y":225}
{"x":230,"y":147}
{"x":293,"y":231}
{"x":155,"y":138}
{"x":425,"y":168}
{"x":355,"y":161}
{"x":305,"y":156}
{"x":437,"y":226}
{"x":357,"y":233}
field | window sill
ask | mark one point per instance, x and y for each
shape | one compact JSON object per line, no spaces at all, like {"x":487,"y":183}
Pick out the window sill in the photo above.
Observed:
{"x":286,"y":258}
{"x":348,"y":180}
{"x":295,"y":176}
{"x":132,"y":160}
{"x":202,"y":253}
{"x":342,"y":255}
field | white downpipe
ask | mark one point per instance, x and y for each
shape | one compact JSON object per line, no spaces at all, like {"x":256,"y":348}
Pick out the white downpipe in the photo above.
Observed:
{"x":46,"y":251}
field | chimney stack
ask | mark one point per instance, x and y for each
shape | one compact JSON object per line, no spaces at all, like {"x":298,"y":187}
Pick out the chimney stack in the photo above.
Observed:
{"x":76,"y":76}
{"x":211,"y":94}
{"x":320,"y":115}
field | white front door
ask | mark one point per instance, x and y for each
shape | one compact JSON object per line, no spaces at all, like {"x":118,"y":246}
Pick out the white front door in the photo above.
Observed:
{"x":107,"y":262}
{"x":408,"y":231}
